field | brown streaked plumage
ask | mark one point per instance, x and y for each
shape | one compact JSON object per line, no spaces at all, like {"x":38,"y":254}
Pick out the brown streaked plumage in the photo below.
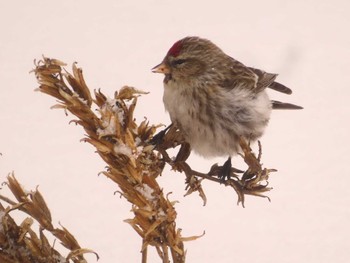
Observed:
{"x":214,"y":99}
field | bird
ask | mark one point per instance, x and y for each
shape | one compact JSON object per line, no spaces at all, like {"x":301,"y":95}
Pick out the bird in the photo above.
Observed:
{"x":214,"y":100}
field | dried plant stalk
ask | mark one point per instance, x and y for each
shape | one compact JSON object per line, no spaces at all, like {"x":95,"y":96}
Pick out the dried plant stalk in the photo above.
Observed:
{"x":122,"y":144}
{"x":19,"y":243}
{"x":135,"y":157}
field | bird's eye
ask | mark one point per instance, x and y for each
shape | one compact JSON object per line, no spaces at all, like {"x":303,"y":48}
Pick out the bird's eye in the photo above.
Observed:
{"x":178,"y":62}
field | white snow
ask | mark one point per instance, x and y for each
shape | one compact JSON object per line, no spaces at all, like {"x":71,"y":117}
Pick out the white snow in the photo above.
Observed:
{"x":121,"y":148}
{"x":137,"y":141}
{"x":110,"y":127}
{"x":146,"y":191}
{"x":79,"y":98}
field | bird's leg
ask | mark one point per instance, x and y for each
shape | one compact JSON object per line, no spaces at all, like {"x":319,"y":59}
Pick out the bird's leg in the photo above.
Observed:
{"x":158,"y":138}
{"x":184,"y":152}
{"x":225,"y":172}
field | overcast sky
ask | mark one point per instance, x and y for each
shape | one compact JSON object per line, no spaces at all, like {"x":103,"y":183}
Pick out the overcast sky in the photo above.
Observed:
{"x":117,"y":43}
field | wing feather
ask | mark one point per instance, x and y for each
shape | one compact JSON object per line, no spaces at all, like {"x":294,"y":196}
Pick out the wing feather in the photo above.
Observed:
{"x":240,"y":76}
{"x":267,"y":80}
{"x":252,"y":78}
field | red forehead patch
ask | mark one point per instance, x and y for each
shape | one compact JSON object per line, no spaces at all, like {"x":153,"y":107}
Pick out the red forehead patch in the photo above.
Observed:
{"x":175,"y":49}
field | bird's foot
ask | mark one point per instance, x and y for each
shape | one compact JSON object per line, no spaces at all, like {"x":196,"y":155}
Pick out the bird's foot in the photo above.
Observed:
{"x":158,"y":138}
{"x":225,"y":173}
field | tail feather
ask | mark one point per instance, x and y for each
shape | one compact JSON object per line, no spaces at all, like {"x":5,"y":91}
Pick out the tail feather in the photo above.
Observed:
{"x":277,"y":105}
{"x":268,"y":80}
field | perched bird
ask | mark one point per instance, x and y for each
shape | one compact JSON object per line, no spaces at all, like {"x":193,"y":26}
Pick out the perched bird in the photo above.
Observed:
{"x":214,"y":99}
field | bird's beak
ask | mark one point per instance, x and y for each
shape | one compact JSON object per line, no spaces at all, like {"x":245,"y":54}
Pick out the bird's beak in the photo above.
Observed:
{"x":161,"y":68}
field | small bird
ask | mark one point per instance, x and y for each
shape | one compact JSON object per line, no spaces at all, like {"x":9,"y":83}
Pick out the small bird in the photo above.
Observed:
{"x":214,"y":99}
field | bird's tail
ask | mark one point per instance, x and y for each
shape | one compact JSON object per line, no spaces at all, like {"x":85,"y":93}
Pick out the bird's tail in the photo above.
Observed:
{"x":277,"y":105}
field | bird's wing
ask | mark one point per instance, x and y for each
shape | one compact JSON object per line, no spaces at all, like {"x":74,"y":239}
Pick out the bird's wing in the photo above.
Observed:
{"x":239,"y":76}
{"x":254,"y":79}
{"x":268,"y":80}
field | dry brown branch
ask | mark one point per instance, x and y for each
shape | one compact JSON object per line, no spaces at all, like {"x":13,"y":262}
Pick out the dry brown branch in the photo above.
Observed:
{"x":134,"y":162}
{"x":19,"y":243}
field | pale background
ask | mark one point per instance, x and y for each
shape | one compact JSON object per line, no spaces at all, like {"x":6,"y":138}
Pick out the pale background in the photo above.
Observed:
{"x":117,"y":43}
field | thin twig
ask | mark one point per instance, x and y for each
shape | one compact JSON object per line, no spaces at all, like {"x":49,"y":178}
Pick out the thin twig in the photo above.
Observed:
{"x":144,"y":252}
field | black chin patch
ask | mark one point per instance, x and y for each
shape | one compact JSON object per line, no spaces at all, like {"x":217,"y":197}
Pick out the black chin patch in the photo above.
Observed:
{"x":167,"y":78}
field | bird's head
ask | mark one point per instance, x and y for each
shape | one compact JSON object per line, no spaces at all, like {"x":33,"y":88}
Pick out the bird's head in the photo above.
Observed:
{"x":189,"y":58}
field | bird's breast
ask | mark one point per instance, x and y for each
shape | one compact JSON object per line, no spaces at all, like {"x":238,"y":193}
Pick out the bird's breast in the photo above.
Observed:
{"x":177,"y":100}
{"x":212,"y":119}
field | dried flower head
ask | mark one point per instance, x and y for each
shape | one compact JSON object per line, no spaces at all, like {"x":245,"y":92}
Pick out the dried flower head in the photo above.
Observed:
{"x":135,"y":157}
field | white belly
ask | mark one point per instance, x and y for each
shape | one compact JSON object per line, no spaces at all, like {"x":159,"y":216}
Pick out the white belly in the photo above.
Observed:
{"x":212,"y":120}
